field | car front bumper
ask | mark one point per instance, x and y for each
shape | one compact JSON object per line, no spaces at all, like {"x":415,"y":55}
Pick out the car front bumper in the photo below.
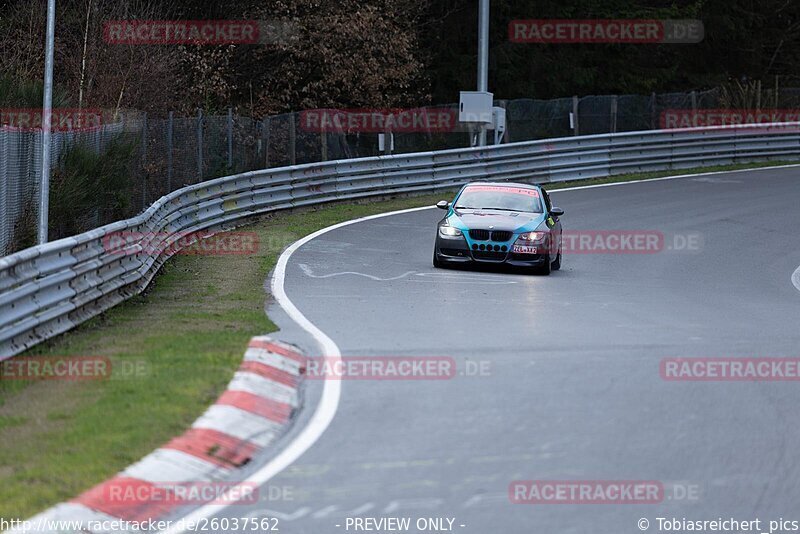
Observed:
{"x":456,"y":251}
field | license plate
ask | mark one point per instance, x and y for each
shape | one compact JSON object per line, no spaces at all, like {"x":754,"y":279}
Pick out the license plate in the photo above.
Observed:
{"x":521,"y":249}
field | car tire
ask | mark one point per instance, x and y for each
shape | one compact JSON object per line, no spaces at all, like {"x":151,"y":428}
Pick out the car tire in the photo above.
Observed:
{"x":557,"y":263}
{"x":545,"y":268}
{"x":436,"y":262}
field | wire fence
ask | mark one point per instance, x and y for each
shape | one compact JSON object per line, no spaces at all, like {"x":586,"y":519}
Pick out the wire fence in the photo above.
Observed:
{"x":169,"y":152}
{"x":20,"y":176}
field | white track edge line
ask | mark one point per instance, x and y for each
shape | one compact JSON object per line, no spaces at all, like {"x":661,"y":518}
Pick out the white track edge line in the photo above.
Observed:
{"x":796,"y":278}
{"x":329,"y":402}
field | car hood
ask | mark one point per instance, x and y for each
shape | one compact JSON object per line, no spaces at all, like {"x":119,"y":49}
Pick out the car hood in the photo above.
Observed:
{"x":500,"y":220}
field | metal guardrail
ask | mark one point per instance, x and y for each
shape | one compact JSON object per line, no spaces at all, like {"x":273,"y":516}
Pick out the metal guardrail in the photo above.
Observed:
{"x":49,"y":289}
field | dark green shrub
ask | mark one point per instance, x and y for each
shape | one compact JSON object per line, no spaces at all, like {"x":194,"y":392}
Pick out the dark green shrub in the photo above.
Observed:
{"x":88,"y":189}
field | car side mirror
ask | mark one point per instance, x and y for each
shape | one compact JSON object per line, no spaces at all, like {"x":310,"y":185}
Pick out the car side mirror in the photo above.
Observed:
{"x":443,"y":204}
{"x":556,"y":212}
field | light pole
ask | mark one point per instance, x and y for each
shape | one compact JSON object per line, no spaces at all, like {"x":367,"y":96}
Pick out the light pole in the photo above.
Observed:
{"x":47,"y":104}
{"x":483,"y":58}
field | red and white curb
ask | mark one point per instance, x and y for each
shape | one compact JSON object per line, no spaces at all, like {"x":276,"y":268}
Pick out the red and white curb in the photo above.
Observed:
{"x":254,"y":410}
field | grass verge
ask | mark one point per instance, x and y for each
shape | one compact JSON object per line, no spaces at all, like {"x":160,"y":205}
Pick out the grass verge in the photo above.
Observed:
{"x":177,"y":347}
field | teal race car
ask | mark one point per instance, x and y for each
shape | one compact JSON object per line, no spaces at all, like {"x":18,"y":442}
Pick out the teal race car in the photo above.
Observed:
{"x":500,"y":223}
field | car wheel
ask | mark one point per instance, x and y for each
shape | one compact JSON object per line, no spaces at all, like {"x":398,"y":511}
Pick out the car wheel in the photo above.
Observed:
{"x":436,"y":263}
{"x":557,"y":263}
{"x":545,"y":268}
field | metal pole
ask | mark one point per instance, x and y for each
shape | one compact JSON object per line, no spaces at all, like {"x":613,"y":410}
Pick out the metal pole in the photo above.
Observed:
{"x":292,"y":140}
{"x":575,"y":122}
{"x":230,"y":139}
{"x":47,"y":104}
{"x":267,"y":124}
{"x":169,"y":153}
{"x":614,"y":105}
{"x":652,"y":111}
{"x":144,"y":160}
{"x":199,"y":145}
{"x":758,"y":95}
{"x":6,"y":221}
{"x":483,"y":58}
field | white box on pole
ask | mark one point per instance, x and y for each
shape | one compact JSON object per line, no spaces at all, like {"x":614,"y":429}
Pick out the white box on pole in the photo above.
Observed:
{"x":475,"y":107}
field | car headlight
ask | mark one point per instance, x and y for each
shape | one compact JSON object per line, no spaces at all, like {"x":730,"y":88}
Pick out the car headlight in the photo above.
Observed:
{"x":449,"y":231}
{"x":533,"y":236}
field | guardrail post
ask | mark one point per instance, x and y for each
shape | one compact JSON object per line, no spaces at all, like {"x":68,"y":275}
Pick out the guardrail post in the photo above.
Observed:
{"x":507,"y":134}
{"x":652,"y":111}
{"x":144,"y":159}
{"x":388,"y":142}
{"x":199,"y":145}
{"x":265,"y":133}
{"x":169,"y":153}
{"x":230,"y":138}
{"x":758,"y":95}
{"x":575,"y":129}
{"x":5,"y":221}
{"x":614,"y":103}
{"x":292,"y":140}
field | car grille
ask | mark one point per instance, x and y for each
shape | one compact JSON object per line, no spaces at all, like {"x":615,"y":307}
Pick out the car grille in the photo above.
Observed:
{"x":479,"y":235}
{"x":488,"y":255}
{"x":501,"y":235}
{"x":484,"y":235}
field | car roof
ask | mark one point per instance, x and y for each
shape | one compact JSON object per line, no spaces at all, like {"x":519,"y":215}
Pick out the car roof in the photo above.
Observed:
{"x":505,"y":184}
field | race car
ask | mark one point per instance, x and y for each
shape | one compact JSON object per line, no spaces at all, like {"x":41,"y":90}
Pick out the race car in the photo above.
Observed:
{"x":500,"y":223}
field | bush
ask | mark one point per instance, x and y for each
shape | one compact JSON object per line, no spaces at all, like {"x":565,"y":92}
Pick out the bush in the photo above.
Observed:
{"x":27,"y":94}
{"x":90,"y":189}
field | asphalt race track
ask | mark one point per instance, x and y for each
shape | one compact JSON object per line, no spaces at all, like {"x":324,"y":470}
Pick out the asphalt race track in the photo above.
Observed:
{"x":570,"y":388}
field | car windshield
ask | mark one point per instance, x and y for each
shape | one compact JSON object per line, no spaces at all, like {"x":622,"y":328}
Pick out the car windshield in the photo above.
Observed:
{"x":500,"y":198}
